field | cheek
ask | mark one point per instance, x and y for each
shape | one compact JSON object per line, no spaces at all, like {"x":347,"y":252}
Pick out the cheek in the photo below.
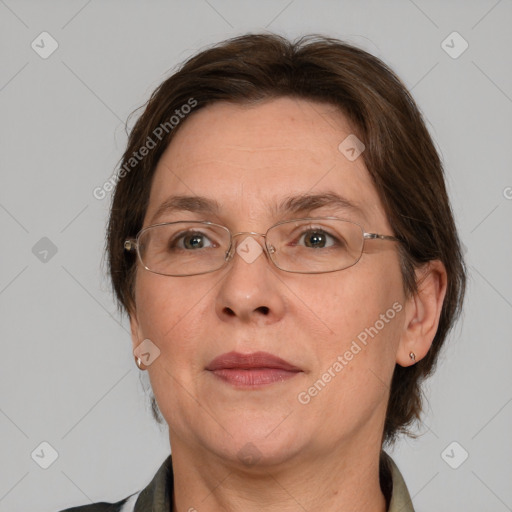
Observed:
{"x":362,"y":306}
{"x":363,"y":309}
{"x":171,"y":313}
{"x":351,"y":301}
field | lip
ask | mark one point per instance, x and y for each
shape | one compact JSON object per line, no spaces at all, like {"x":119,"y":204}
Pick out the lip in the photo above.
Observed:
{"x":231,"y":360}
{"x":251,"y":370}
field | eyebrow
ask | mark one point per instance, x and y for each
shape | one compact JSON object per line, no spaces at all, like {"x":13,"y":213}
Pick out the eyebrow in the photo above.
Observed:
{"x":196,"y":204}
{"x":305,"y":203}
{"x":301,"y":204}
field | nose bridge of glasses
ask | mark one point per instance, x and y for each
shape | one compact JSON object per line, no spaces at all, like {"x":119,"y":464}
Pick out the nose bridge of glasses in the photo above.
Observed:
{"x":253,"y":234}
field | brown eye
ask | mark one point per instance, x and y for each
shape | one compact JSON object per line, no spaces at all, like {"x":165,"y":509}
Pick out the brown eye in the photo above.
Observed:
{"x":193,"y":242}
{"x":318,"y":239}
{"x":315,"y":239}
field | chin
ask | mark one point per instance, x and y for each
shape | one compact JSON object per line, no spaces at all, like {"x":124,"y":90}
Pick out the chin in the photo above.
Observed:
{"x":260,"y":445}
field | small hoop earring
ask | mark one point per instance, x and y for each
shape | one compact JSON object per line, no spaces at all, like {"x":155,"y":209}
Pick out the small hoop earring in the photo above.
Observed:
{"x":412,"y":355}
{"x":138,"y":362}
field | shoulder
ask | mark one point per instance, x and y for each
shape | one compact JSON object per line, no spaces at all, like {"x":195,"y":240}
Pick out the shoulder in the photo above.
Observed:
{"x":156,"y":496}
{"x":103,"y":506}
{"x":95,"y":507}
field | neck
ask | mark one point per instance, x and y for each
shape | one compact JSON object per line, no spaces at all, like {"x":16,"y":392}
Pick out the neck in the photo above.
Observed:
{"x":346,"y":480}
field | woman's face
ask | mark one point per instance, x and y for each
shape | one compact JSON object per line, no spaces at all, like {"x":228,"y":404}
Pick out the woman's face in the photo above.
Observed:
{"x":341,"y":330}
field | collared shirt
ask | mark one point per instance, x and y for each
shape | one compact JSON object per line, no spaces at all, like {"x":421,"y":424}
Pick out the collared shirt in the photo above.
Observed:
{"x":157,"y":496}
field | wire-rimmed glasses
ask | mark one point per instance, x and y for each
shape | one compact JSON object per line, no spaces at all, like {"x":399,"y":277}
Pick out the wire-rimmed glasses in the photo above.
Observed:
{"x":310,"y":245}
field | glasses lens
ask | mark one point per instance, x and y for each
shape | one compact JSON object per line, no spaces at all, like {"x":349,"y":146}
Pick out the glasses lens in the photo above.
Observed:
{"x":183,"y":248}
{"x":315,"y":245}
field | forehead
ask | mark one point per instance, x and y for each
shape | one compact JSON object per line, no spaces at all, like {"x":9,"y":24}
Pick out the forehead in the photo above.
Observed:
{"x":249,"y":158}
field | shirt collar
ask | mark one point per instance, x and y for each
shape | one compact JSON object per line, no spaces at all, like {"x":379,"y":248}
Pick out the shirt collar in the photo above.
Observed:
{"x":400,"y":498}
{"x":157,"y":496}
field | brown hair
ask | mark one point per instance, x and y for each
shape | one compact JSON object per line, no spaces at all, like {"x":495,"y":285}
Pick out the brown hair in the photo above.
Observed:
{"x":400,"y":157}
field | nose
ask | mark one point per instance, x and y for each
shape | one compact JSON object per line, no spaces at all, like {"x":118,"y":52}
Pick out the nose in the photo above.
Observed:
{"x":250,"y":291}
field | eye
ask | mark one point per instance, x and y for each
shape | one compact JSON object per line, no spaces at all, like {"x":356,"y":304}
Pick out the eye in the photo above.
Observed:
{"x":317,"y":239}
{"x":191,"y":241}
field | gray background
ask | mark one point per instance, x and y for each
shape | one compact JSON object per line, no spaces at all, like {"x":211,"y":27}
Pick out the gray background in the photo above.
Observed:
{"x":68,"y":376}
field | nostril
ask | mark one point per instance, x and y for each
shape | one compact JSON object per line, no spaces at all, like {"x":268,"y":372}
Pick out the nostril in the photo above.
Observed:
{"x":263,"y":309}
{"x":229,"y":312}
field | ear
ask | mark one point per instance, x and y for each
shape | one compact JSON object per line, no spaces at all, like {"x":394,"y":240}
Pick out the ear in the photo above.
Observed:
{"x":422,"y":312}
{"x":135,"y":329}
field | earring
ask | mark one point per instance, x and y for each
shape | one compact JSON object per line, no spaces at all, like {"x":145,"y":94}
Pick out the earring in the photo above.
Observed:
{"x":412,"y":355}
{"x":138,"y":362}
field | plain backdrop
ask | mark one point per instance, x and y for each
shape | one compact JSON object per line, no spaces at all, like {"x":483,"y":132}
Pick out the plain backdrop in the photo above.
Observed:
{"x":68,"y":378}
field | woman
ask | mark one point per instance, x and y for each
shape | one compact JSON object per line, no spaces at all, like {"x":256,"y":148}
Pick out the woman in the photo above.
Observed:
{"x":282,"y":241}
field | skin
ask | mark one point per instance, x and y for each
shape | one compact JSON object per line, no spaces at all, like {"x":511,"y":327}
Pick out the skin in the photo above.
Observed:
{"x":322,"y":455}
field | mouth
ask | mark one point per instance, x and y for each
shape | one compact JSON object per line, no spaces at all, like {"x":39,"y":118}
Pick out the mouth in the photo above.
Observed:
{"x":252,"y":370}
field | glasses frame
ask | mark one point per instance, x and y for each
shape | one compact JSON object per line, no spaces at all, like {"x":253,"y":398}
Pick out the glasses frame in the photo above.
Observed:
{"x":132,"y":244}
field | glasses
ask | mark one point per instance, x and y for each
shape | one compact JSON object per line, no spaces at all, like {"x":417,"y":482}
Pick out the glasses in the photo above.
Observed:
{"x":305,"y":246}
